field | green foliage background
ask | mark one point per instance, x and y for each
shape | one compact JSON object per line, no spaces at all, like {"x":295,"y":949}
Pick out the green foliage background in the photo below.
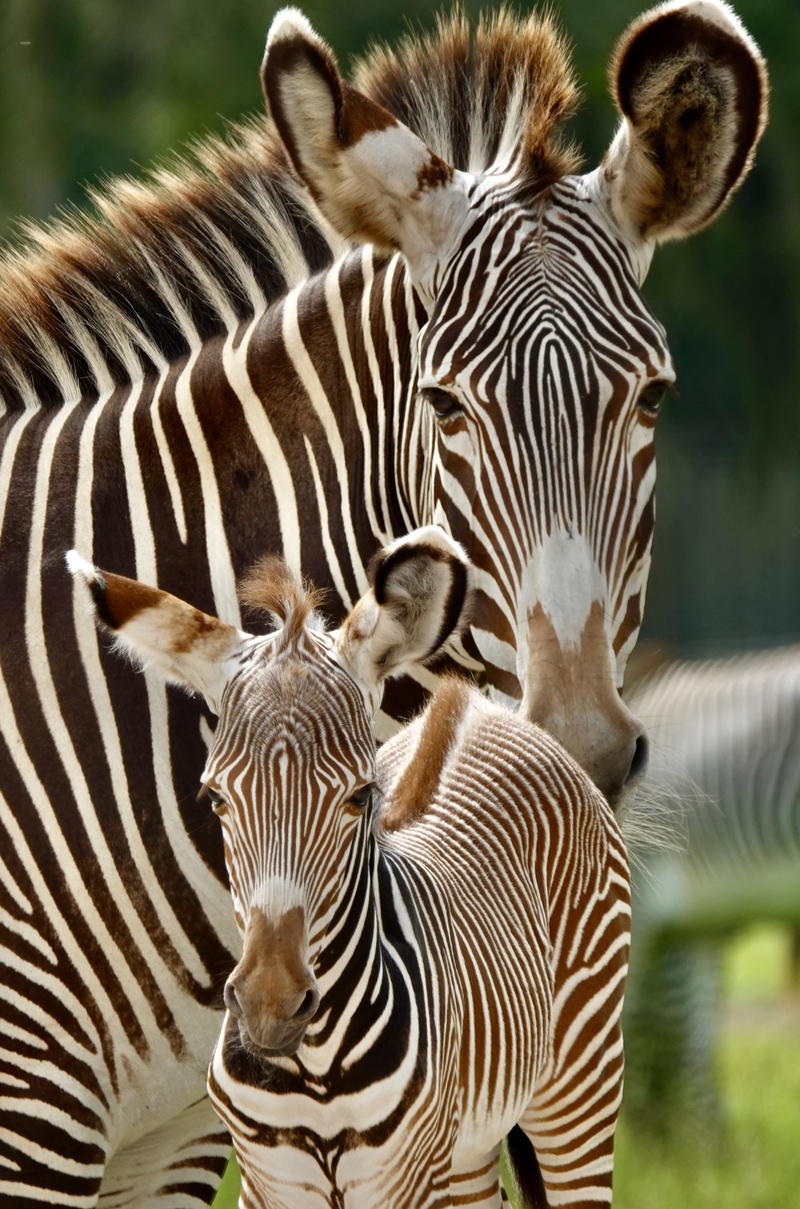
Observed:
{"x":93,"y":87}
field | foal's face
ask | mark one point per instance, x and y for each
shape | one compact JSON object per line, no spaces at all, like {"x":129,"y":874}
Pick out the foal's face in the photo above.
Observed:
{"x":293,"y":755}
{"x":289,"y":773}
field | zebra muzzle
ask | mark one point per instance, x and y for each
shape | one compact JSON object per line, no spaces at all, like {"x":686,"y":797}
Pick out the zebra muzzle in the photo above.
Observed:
{"x":272,"y":993}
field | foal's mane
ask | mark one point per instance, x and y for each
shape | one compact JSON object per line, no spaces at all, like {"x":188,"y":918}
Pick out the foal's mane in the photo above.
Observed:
{"x":270,"y":587}
{"x":210,"y":238}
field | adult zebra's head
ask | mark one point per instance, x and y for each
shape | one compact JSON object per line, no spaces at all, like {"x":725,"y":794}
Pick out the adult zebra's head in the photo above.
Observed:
{"x":539,"y":368}
{"x":292,"y":762}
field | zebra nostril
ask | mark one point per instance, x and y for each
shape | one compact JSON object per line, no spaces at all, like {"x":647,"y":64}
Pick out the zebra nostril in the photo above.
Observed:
{"x":641,"y":753}
{"x":307,"y":1006}
{"x":230,"y":1000}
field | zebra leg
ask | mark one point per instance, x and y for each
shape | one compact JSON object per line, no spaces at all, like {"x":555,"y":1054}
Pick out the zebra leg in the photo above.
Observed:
{"x":177,"y":1166}
{"x":522,"y":1177}
{"x":572,"y":1118}
{"x":478,"y":1187}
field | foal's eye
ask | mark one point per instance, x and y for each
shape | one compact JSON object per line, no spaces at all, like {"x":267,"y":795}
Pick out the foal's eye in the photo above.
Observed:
{"x":361,"y":798}
{"x":218,"y":803}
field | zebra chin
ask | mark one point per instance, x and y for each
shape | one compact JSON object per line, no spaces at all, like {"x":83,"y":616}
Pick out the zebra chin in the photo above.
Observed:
{"x":270,"y":1041}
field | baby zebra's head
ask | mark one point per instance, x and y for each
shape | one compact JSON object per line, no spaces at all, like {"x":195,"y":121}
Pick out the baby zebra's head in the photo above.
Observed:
{"x":291,"y":765}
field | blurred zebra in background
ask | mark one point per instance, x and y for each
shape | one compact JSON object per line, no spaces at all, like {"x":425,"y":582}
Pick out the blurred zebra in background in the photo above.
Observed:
{"x":211,"y":369}
{"x":725,"y":769}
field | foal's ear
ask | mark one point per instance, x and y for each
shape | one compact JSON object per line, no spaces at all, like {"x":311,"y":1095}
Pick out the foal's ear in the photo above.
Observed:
{"x":691,"y":86}
{"x":373,"y":179}
{"x":420,"y":587}
{"x":158,"y":630}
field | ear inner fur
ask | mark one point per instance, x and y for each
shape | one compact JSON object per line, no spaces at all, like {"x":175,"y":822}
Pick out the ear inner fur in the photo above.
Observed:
{"x":453,"y":606}
{"x":282,"y":57}
{"x":698,"y":146}
{"x":383,"y":565}
{"x":322,"y":151}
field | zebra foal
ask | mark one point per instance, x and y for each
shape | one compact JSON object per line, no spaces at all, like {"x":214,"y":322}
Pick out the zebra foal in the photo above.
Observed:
{"x":420,"y":976}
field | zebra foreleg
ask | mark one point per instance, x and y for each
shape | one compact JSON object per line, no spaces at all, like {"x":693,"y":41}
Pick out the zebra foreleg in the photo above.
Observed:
{"x":479,"y":1187}
{"x":572,"y":1119}
{"x":177,"y":1166}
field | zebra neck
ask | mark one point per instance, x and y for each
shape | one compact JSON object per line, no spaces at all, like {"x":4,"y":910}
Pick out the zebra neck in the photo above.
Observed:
{"x":372,"y":979}
{"x":361,"y":973}
{"x":307,"y":420}
{"x":349,"y":958}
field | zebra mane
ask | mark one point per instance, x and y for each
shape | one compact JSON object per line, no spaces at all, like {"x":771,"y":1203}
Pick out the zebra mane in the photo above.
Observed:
{"x":482,"y":97}
{"x":163,"y":264}
{"x":211,"y":237}
{"x":269,"y":586}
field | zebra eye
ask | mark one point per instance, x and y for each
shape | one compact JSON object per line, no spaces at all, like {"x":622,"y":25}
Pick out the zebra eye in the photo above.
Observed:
{"x":218,"y":803}
{"x":651,"y":398}
{"x":441,"y":401}
{"x":361,"y":798}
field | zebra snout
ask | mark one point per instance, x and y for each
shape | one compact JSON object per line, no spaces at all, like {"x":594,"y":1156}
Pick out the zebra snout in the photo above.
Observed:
{"x":307,"y":1006}
{"x":270,"y":1022}
{"x":622,"y":768}
{"x":230,"y":999}
{"x":247,"y":998}
{"x":272,"y":993}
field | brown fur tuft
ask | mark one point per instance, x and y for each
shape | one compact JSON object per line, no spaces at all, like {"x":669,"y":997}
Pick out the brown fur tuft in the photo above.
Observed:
{"x":415,"y":789}
{"x":270,"y":586}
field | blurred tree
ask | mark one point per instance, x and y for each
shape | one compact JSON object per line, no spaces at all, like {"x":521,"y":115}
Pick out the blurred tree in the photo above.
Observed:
{"x":94,"y":87}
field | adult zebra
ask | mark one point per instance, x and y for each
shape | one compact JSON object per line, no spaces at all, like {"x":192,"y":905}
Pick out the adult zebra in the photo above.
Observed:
{"x":725,"y":768}
{"x":208,"y":370}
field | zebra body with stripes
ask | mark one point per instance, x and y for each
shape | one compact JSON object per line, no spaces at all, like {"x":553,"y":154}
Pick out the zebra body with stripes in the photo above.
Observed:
{"x":410,"y":992}
{"x":210,"y":369}
{"x":725,"y":768}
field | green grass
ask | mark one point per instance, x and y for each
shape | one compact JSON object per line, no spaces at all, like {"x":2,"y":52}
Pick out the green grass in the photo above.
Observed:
{"x":757,"y":965}
{"x":757,"y":1166}
{"x":228,"y":1192}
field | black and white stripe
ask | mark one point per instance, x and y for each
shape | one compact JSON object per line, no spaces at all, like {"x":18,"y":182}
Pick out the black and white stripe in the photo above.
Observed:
{"x":206,"y":371}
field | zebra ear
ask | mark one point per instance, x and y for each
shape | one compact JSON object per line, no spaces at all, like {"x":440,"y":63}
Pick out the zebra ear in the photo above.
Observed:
{"x":691,"y":87}
{"x":371,"y":177}
{"x":155,"y":629}
{"x":420,"y":588}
